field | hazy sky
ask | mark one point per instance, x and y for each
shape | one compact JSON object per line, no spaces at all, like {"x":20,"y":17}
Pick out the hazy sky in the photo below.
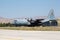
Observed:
{"x":28,"y":8}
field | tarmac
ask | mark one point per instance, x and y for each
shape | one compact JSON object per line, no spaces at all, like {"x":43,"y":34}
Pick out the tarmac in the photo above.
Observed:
{"x":29,"y":35}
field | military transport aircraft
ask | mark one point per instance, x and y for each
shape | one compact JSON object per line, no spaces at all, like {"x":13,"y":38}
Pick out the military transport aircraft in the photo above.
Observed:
{"x":49,"y":21}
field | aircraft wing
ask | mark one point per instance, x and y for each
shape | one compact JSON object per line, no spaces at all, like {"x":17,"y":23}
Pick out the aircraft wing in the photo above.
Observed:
{"x":45,"y":20}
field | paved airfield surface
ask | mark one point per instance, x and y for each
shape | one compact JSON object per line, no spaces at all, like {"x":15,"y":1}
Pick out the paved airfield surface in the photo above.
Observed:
{"x":29,"y":35}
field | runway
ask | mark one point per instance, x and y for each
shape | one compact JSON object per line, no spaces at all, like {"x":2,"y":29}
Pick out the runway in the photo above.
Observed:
{"x":29,"y":35}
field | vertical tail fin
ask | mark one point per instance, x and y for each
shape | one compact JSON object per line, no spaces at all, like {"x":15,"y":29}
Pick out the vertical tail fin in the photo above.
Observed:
{"x":51,"y":15}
